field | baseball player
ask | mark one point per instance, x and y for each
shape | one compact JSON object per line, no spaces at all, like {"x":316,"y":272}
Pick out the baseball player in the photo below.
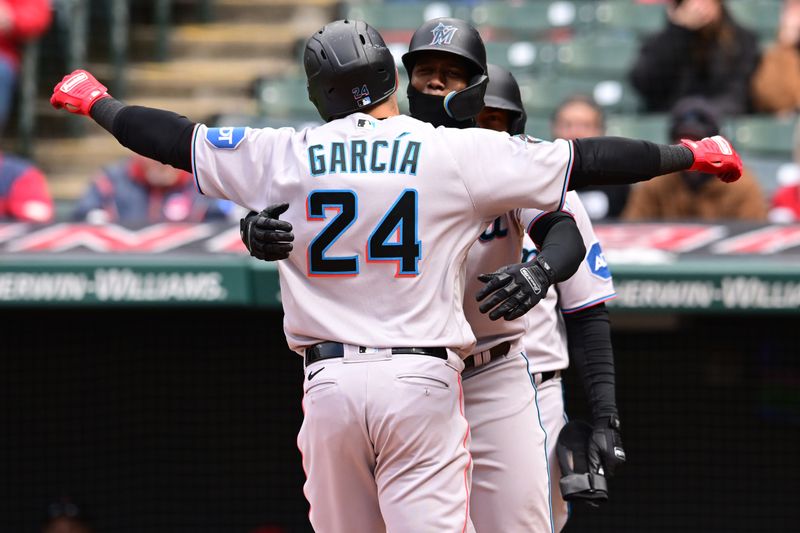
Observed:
{"x":574,"y":311}
{"x":511,"y":490}
{"x":510,"y":484}
{"x":499,"y":402}
{"x":375,"y":302}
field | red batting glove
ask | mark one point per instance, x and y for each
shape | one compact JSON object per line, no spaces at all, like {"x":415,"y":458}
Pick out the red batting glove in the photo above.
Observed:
{"x":715,"y":155}
{"x":78,"y":92}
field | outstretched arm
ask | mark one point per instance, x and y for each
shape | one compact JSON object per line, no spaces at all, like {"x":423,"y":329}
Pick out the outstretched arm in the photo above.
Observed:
{"x":160,"y":135}
{"x":618,"y":161}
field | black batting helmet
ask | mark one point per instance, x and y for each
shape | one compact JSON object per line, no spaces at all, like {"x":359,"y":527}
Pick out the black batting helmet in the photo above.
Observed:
{"x":453,"y":36}
{"x":457,"y":37}
{"x":503,"y":93}
{"x":349,"y":68}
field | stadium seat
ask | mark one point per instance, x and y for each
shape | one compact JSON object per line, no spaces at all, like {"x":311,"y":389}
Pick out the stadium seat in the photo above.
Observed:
{"x":648,"y":127}
{"x":601,"y":54}
{"x":538,"y":126}
{"x":542,"y":94}
{"x":761,"y":16}
{"x":763,"y":135}
{"x":522,"y":55}
{"x":402,"y":16}
{"x":285,"y":98}
{"x":525,"y":18}
{"x":768,"y":170}
{"x":630,"y":16}
{"x":261,"y":121}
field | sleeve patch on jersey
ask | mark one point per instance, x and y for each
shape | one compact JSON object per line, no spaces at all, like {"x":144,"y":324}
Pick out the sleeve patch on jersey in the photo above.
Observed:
{"x":597,"y":262}
{"x":225,"y":138}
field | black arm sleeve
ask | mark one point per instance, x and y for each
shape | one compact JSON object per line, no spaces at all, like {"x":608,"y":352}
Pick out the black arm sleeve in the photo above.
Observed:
{"x":590,"y":351}
{"x":617,"y":161}
{"x":560,"y":244}
{"x":160,"y":135}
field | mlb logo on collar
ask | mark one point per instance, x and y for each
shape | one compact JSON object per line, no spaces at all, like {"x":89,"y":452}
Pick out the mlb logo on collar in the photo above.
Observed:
{"x":443,"y":34}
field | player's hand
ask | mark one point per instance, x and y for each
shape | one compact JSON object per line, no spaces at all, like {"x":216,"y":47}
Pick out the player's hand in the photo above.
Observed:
{"x":78,"y":92}
{"x":605,"y":451}
{"x":715,"y":155}
{"x":266,"y":237}
{"x":513,"y":290}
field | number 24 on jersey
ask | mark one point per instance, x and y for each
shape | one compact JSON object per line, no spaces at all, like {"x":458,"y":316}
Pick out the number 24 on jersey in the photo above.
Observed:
{"x":400,"y":220}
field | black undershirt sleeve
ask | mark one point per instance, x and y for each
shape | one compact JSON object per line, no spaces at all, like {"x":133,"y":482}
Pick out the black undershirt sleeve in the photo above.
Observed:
{"x":620,"y":161}
{"x":590,"y":352}
{"x":160,"y":135}
{"x":560,"y":244}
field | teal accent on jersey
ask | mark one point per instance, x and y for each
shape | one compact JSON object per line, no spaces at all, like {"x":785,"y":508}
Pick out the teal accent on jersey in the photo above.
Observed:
{"x":316,"y":162}
{"x":338,"y":160}
{"x":541,"y":425}
{"x":194,"y":159}
{"x":358,"y":156}
{"x":409,"y":163}
{"x":402,"y":158}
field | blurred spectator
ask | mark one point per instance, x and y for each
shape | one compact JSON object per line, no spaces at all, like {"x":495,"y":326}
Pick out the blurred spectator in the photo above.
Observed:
{"x":139,"y":189}
{"x":64,"y":516}
{"x":20,"y":20}
{"x":576,"y":117}
{"x":776,"y":84}
{"x":696,"y":195}
{"x":785,"y":204}
{"x":24,"y":195}
{"x":701,"y":52}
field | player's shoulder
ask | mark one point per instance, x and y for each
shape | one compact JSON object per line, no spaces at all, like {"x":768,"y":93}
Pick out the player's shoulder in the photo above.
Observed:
{"x":573,"y":204}
{"x":233,"y":137}
{"x":473,"y":133}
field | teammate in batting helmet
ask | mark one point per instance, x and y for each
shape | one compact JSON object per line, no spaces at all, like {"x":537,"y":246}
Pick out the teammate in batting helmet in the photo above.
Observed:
{"x":349,"y":68}
{"x":503,"y":102}
{"x":459,"y":38}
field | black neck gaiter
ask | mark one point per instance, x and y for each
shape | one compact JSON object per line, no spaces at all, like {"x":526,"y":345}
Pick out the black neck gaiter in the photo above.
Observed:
{"x":430,"y":108}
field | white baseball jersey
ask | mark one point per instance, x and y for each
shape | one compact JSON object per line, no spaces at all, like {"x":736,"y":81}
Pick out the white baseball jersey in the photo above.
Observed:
{"x":545,"y":339}
{"x":498,"y":246}
{"x":384,"y":212}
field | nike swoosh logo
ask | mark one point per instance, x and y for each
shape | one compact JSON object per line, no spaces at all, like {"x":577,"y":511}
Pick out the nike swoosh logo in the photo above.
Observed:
{"x":312,"y":374}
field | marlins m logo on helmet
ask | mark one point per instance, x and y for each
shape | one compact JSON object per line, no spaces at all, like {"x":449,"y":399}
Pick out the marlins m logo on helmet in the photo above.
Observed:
{"x":443,"y":34}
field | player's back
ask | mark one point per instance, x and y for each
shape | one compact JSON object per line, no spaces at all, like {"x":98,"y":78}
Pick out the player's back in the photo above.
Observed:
{"x":383,"y":214}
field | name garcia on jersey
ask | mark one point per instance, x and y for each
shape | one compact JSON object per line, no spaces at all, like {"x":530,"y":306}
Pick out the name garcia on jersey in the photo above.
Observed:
{"x":399,"y":156}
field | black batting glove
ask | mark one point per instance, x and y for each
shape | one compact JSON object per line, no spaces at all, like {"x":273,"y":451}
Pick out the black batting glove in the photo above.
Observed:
{"x":605,"y":452}
{"x":513,"y":290}
{"x":266,"y":237}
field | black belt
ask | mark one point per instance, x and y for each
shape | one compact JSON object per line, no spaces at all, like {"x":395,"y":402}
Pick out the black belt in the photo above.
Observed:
{"x":330,"y":350}
{"x":494,"y":352}
{"x":498,"y":351}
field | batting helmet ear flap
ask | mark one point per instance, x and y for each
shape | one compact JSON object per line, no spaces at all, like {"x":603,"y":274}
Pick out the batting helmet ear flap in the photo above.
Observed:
{"x":461,"y":105}
{"x":578,"y":482}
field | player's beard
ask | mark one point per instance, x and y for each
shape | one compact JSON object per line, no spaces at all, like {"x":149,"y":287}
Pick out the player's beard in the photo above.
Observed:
{"x":430,"y":108}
